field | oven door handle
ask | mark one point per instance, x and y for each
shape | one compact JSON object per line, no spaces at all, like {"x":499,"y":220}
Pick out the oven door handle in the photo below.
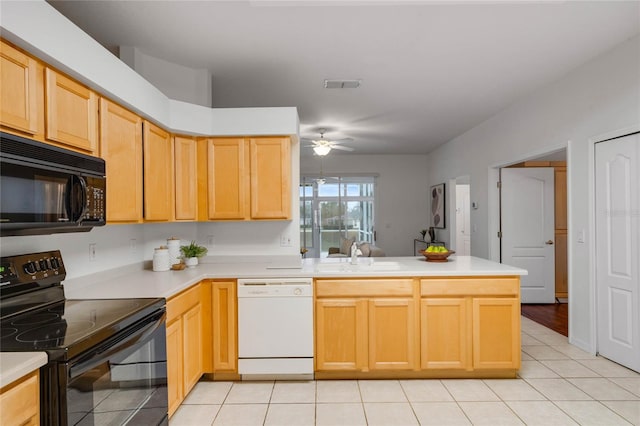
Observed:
{"x":115,"y":344}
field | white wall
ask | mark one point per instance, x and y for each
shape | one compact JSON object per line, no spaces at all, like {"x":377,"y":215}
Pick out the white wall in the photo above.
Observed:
{"x":174,"y":80}
{"x":401,"y":194}
{"x":601,"y":96}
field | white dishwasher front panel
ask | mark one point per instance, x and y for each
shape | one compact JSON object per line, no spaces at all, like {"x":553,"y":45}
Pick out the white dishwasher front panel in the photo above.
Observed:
{"x":275,"y":319}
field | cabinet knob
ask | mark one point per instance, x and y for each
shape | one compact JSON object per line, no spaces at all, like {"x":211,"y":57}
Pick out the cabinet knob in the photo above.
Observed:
{"x":549,"y":242}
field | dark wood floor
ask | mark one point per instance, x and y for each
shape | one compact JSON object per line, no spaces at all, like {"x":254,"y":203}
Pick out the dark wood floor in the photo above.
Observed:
{"x":554,"y":316}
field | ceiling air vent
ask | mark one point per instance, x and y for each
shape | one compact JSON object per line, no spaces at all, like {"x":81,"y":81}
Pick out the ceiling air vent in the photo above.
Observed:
{"x":342,"y":84}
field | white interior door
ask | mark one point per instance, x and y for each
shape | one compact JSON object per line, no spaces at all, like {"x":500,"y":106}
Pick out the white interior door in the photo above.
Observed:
{"x":617,"y":258}
{"x":527,"y":215}
{"x":463,"y":220}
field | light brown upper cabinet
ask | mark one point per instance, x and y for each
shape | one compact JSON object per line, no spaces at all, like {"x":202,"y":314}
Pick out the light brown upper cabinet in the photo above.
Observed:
{"x":121,"y":148}
{"x":227,"y":178}
{"x":158,"y":174}
{"x":186,"y":182}
{"x":71,"y":112}
{"x":18,"y":85}
{"x":270,"y":178}
{"x":246,"y":179}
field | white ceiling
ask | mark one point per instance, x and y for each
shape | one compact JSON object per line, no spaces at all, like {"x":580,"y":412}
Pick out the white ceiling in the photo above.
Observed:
{"x":430,"y":70}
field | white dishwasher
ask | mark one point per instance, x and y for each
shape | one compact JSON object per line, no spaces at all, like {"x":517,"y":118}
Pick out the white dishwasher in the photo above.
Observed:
{"x":275,"y":328}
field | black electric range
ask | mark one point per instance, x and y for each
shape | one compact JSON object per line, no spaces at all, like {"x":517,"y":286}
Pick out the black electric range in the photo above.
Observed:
{"x":106,"y":358}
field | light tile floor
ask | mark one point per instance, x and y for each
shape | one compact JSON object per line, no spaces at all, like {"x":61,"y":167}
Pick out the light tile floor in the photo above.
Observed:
{"x":558,"y":384}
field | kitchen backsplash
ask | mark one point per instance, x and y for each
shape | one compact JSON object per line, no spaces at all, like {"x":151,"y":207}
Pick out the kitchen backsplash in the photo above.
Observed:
{"x":120,"y":245}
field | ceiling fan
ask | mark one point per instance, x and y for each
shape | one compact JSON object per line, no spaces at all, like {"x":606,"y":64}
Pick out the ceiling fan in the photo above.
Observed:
{"x":323,"y":146}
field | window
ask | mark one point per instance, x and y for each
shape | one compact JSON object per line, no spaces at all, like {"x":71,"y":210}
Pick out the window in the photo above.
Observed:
{"x":335,"y":207}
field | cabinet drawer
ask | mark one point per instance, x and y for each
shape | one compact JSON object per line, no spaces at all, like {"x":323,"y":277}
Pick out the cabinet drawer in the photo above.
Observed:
{"x":364,"y":288}
{"x":20,"y":401}
{"x":489,"y":286}
{"x":181,"y":303}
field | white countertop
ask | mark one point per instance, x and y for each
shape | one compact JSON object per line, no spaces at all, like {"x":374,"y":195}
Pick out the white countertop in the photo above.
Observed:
{"x":14,"y":365}
{"x":134,"y":282}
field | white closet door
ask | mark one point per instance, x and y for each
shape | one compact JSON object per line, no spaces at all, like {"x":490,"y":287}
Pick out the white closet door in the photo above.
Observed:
{"x":617,"y":256}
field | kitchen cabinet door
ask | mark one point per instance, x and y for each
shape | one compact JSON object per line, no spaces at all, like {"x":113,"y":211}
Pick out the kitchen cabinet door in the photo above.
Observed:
{"x":445,"y":327}
{"x":158,"y":174}
{"x":174,"y":365}
{"x":20,"y":401}
{"x":270,"y":178}
{"x":71,"y":112}
{"x":18,"y":88}
{"x":393,"y":339}
{"x":225,"y":326}
{"x":192,"y":342}
{"x":121,"y":148}
{"x":496,"y":333}
{"x":186,"y":183}
{"x":227,"y":179}
{"x":341,"y":335}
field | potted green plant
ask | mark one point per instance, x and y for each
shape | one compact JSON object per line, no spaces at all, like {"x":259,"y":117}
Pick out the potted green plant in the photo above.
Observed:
{"x":191,"y":253}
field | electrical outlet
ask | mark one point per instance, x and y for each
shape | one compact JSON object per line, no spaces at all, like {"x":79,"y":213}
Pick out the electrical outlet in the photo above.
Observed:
{"x":285,"y":241}
{"x":132,"y":245}
{"x":210,"y":240}
{"x":92,"y":251}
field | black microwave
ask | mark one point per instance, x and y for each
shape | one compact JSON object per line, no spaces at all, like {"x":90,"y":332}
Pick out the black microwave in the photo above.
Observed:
{"x":46,"y":190}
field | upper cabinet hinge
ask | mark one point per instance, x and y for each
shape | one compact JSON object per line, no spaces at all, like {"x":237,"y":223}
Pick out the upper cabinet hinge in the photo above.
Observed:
{"x":499,"y":234}
{"x":499,"y":184}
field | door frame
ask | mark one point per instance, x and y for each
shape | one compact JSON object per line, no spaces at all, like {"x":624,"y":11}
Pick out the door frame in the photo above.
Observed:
{"x":593,"y":320}
{"x":493,"y":207}
{"x":453,"y":183}
{"x":493,"y":194}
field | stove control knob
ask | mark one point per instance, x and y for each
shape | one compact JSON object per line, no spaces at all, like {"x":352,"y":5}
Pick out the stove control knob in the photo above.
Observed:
{"x":44,"y":265}
{"x":30,"y":268}
{"x":54,"y":263}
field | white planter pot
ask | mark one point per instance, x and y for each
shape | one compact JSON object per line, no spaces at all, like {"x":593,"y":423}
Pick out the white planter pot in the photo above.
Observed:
{"x":191,"y":262}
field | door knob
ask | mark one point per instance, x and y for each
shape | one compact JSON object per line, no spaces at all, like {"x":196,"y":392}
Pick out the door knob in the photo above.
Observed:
{"x":549,"y":242}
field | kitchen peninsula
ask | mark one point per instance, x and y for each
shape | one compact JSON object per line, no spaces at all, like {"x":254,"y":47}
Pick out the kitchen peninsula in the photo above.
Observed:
{"x":395,"y":317}
{"x":385,"y":317}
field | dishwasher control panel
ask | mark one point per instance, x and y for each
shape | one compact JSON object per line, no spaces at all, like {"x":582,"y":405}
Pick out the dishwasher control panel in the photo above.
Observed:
{"x":273,"y":287}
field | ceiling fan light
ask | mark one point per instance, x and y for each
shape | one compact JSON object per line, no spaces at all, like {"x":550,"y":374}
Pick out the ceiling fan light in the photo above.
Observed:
{"x":321,"y":150}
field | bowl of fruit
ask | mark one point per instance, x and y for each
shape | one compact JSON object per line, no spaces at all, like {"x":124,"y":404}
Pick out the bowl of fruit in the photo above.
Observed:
{"x":436,"y":253}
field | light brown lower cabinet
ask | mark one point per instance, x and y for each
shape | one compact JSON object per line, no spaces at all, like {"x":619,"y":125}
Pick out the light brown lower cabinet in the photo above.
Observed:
{"x":341,"y":335}
{"x":201,"y":337}
{"x":185,"y":344}
{"x":393,"y":337}
{"x":496,"y":333}
{"x":445,"y":326}
{"x":470,"y":323}
{"x":417,"y":327}
{"x":20,"y":401}
{"x":224,"y":326}
{"x":175,"y":350}
{"x":374,"y":331}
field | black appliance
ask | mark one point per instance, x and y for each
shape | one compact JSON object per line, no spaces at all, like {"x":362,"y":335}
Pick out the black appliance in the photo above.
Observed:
{"x":107,"y":360}
{"x":45,"y":189}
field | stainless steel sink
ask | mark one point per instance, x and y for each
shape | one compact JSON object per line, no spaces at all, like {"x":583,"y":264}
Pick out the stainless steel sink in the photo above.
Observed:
{"x":361,"y":266}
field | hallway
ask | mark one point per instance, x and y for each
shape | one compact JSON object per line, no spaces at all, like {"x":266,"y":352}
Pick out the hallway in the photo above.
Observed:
{"x":554,"y":316}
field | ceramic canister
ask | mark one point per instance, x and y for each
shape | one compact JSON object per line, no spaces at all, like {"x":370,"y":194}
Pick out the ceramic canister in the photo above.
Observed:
{"x":161,"y":259}
{"x":173,"y":244}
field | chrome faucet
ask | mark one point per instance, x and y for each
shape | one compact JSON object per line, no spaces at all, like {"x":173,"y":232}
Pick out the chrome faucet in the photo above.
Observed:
{"x":355,"y":251}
